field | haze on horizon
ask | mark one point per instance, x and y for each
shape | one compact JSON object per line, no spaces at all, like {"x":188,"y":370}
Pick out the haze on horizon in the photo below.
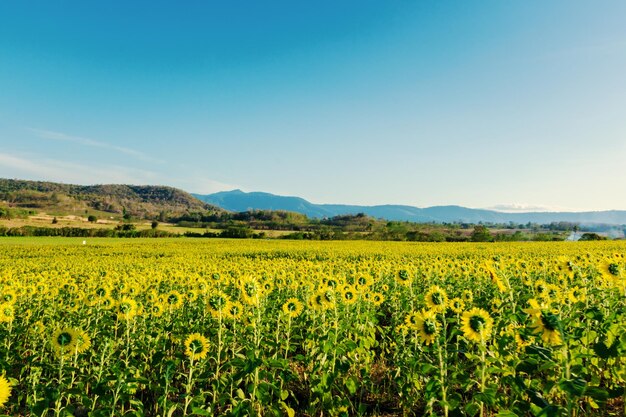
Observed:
{"x":508,"y":105}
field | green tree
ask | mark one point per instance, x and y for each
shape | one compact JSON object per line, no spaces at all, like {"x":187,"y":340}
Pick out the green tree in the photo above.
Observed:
{"x":481,"y":234}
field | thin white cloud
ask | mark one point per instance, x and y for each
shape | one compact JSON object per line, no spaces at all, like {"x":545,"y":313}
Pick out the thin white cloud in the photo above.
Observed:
{"x":199,"y":185}
{"x":525,"y":208}
{"x":48,"y":134}
{"x":43,"y":169}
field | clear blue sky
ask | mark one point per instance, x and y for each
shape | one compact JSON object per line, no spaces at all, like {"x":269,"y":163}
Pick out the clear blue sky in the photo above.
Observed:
{"x":477,"y":103}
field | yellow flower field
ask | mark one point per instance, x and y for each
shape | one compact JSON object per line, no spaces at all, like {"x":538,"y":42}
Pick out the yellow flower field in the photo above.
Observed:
{"x":247,"y":327}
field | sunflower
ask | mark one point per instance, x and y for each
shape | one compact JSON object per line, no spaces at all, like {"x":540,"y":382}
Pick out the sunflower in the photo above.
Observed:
{"x":348,"y":294}
{"x":577,"y":294}
{"x":609,"y":270}
{"x":541,"y":287}
{"x":196,"y":346}
{"x":192,"y":295}
{"x":547,"y":323}
{"x":292,"y":307}
{"x":427,"y":326}
{"x":216,"y":303}
{"x":127,"y":308}
{"x":156,"y":309}
{"x":456,"y":305}
{"x":410,"y":321}
{"x":233,"y":310}
{"x":436,"y":299}
{"x":5,"y":391}
{"x":174,"y":300}
{"x":83,"y":341}
{"x":8,"y":296}
{"x":476,"y":324}
{"x":522,"y":340}
{"x":467,"y":296}
{"x":64,"y":341}
{"x":376,"y":298}
{"x":363,"y":282}
{"x":403,"y":278}
{"x":250,"y":291}
{"x":7,"y":313}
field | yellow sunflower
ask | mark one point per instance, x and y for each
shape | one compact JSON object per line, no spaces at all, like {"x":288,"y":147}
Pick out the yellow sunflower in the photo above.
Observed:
{"x":216,"y":303}
{"x":467,"y":296}
{"x":156,"y":309}
{"x":292,"y":307}
{"x":403,"y":277}
{"x":577,"y":294}
{"x":7,"y":313}
{"x":233,"y":310}
{"x":5,"y":391}
{"x":376,"y":298}
{"x":64,"y":341}
{"x":196,"y":346}
{"x":610,"y":270}
{"x":174,"y":300}
{"x":547,"y":323}
{"x":8,"y":295}
{"x":127,"y":308}
{"x":427,"y":326}
{"x":83,"y":341}
{"x":456,"y":305}
{"x":436,"y":299}
{"x":476,"y":325}
{"x":348,"y":294}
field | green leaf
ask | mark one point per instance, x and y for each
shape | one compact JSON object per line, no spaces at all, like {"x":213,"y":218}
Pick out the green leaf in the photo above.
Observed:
{"x":352,"y":385}
{"x":597,"y":393}
{"x":574,"y":387}
{"x":506,"y":413}
{"x":200,"y":412}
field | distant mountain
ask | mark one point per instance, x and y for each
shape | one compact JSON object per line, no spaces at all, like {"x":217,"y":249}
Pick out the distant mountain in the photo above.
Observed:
{"x":238,"y":200}
{"x":139,"y":201}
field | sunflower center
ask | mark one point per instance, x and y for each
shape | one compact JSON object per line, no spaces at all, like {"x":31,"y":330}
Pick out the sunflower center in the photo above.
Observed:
{"x":550,"y":321}
{"x":403,"y":275}
{"x":196,"y":346}
{"x":429,"y":327}
{"x":613,"y":269}
{"x":477,"y":323}
{"x":291,"y":306}
{"x":217,"y":302}
{"x":64,"y":339}
{"x":437,"y":298}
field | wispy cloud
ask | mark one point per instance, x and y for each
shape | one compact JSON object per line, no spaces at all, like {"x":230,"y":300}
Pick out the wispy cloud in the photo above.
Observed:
{"x":525,"y":208}
{"x":48,"y":134}
{"x":43,"y":169}
{"x":201,"y":185}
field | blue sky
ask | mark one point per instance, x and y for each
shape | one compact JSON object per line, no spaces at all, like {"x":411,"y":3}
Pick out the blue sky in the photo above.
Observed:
{"x":484,"y":103}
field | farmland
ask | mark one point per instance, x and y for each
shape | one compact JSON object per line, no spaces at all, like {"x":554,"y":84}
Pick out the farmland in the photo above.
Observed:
{"x":175,"y":327}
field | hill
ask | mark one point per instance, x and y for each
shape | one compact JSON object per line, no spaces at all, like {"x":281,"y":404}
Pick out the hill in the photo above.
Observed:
{"x":130,"y":201}
{"x":238,"y":200}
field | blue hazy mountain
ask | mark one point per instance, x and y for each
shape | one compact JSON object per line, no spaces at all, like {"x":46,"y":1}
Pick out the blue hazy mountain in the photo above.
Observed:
{"x":238,"y":201}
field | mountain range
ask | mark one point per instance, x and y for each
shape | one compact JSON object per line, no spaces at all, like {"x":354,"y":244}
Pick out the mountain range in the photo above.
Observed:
{"x":239,"y":201}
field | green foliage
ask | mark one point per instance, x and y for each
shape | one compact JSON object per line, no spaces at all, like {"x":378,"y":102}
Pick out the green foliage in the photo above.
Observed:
{"x":591,"y":236}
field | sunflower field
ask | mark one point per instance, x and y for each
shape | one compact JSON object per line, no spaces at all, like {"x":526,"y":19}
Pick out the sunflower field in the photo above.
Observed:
{"x":181,"y":327}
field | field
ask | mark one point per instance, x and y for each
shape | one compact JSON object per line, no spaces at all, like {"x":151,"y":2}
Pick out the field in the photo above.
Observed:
{"x":174,"y":327}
